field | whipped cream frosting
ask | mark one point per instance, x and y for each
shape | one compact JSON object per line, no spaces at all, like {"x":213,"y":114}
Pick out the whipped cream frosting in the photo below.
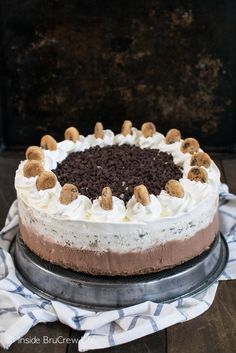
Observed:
{"x":151,"y":142}
{"x":41,"y":199}
{"x":69,"y":146}
{"x":174,"y":149}
{"x":116,"y":214}
{"x":51,"y":158}
{"x":76,"y":210}
{"x":138,"y":212}
{"x":107,"y":140}
{"x":22,"y":183}
{"x":130,"y":139}
{"x":162,"y":206}
{"x":212,"y":172}
{"x":194,"y":194}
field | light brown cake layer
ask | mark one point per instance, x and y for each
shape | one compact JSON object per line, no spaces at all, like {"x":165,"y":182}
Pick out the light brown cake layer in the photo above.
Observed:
{"x":156,"y":259}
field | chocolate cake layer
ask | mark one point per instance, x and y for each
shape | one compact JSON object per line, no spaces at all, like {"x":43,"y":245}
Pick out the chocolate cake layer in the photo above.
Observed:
{"x":120,"y":167}
{"x":163,"y":256}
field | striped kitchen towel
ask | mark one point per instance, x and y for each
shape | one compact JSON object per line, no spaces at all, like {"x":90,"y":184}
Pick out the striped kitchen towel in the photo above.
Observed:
{"x":20,"y":309}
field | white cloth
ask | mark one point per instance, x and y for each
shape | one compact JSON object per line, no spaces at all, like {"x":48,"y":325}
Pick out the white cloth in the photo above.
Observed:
{"x":20,"y":309}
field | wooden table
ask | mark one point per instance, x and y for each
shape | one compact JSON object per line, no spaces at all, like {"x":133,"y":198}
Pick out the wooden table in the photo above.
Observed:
{"x":214,"y":331}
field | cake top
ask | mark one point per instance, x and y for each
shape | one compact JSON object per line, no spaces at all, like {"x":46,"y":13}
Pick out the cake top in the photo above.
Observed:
{"x":119,"y":167}
{"x":135,"y":176}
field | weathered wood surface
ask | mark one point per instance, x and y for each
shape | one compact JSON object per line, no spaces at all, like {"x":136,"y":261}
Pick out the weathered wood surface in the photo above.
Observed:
{"x":44,"y":332}
{"x":75,"y":62}
{"x":214,"y":331}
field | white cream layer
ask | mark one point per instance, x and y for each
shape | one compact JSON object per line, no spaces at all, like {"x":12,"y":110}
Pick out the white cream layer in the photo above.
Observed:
{"x":162,"y":206}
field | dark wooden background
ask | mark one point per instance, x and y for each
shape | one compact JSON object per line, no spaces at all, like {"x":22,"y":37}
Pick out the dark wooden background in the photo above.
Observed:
{"x":78,"y":61}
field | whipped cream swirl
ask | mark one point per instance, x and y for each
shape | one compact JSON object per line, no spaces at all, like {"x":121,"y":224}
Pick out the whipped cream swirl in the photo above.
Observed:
{"x":64,"y":148}
{"x":41,"y":199}
{"x":76,"y":210}
{"x":116,"y":214}
{"x":194,"y":193}
{"x":107,"y":139}
{"x":138,"y":212}
{"x":174,"y":149}
{"x":69,"y":146}
{"x":22,"y":182}
{"x":169,"y":147}
{"x":130,"y":139}
{"x":51,"y":158}
{"x":150,"y":142}
{"x":212,"y":172}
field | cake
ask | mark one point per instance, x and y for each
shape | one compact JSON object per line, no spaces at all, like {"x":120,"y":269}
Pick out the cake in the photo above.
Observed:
{"x":132,"y":203}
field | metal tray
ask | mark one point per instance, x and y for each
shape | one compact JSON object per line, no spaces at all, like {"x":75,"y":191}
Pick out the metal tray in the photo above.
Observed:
{"x":103,"y":292}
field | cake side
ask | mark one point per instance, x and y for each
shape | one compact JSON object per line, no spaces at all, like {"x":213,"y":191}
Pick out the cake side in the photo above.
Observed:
{"x":117,"y":237}
{"x":157,"y":258}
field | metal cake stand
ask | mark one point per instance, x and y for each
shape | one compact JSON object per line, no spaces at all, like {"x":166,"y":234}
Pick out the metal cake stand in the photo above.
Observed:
{"x":103,"y":292}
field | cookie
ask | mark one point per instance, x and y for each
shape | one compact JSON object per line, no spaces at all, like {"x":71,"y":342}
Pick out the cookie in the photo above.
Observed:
{"x":46,"y":180}
{"x":172,"y":136}
{"x":72,"y":134}
{"x":69,"y":193}
{"x":189,"y":145}
{"x":198,"y":174}
{"x":148,"y":129}
{"x":48,"y":143}
{"x":99,"y":131}
{"x":201,"y":159}
{"x":174,"y":188}
{"x":106,"y":199}
{"x":32,"y":168}
{"x":126,"y":128}
{"x":142,"y":195}
{"x":34,"y":153}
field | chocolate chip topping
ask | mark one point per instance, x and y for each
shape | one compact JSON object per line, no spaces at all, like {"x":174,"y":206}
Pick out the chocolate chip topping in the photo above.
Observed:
{"x":119,"y":167}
